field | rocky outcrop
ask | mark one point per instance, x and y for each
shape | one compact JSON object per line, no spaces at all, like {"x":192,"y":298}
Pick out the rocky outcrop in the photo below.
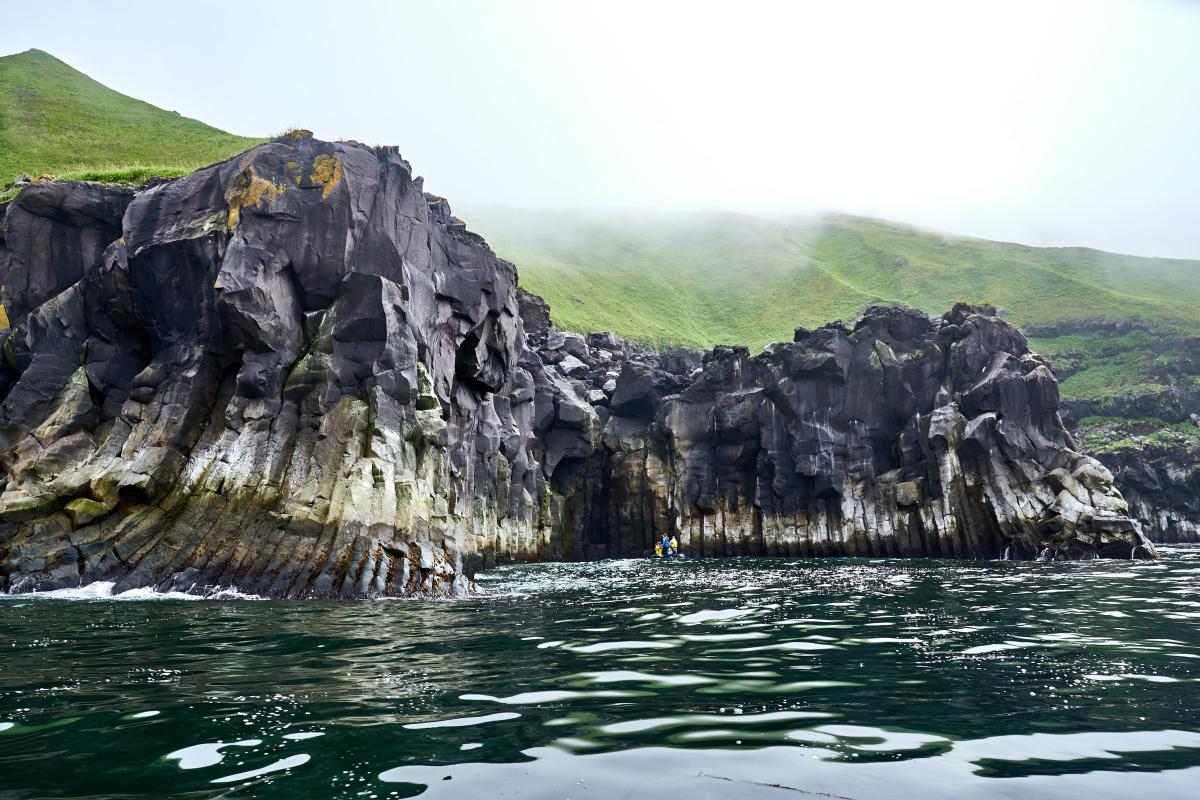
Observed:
{"x":296,"y":373}
{"x":1136,"y":433}
{"x":1169,"y":403}
{"x":903,"y":436}
{"x":1158,"y":471}
{"x":1162,"y":486}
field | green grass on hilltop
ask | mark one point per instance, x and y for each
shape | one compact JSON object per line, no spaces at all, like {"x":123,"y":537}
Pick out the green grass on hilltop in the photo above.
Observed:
{"x":1102,"y":366}
{"x":692,"y":280}
{"x":705,"y":279}
{"x":54,"y":119}
{"x":716,"y":278}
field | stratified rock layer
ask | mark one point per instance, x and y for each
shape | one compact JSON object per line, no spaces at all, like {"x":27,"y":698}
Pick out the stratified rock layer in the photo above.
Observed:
{"x":297,"y":374}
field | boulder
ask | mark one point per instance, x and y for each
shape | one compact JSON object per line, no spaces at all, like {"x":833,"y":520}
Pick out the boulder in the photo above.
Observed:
{"x":572,"y":367}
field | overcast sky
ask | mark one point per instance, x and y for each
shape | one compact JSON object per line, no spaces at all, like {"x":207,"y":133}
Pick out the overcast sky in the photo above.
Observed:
{"x":1041,"y":122}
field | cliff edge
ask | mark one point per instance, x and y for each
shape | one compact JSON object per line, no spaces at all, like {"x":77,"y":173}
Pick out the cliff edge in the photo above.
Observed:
{"x":296,"y":373}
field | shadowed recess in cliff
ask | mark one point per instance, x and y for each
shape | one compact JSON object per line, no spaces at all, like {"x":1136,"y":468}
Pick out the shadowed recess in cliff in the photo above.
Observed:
{"x":297,"y":374}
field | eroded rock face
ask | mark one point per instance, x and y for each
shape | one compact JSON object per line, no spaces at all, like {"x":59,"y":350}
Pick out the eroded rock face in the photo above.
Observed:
{"x":297,"y":374}
{"x":279,"y":372}
{"x":900,"y":436}
{"x":1158,"y":474}
{"x":1161,"y":482}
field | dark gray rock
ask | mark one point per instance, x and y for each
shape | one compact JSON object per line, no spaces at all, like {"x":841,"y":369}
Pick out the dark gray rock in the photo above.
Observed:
{"x":640,"y":389}
{"x":296,"y":373}
{"x":571,"y":343}
{"x":1156,"y":474}
{"x":1161,"y":482}
{"x":535,"y":316}
{"x":572,"y":367}
{"x":607,"y":340}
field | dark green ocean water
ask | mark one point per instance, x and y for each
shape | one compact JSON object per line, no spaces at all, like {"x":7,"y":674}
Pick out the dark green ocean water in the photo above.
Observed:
{"x":624,"y":679}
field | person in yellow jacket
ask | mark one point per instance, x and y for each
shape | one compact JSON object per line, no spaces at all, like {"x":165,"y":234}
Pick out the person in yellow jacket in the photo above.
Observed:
{"x":658,"y":549}
{"x":674,"y":546}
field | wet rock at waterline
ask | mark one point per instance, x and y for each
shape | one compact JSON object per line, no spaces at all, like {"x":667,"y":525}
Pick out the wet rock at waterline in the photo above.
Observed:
{"x":296,"y":373}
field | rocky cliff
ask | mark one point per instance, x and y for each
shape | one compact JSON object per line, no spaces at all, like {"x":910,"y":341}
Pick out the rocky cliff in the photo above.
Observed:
{"x":1163,"y":486}
{"x":1149,"y":434}
{"x":296,"y":373}
{"x":1157,"y":469}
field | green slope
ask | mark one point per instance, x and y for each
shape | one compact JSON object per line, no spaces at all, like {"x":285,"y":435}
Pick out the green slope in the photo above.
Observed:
{"x":704,"y":279}
{"x":54,"y":119}
{"x":679,"y":279}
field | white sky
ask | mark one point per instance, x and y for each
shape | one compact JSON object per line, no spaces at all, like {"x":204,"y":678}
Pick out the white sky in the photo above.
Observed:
{"x":1042,"y":122}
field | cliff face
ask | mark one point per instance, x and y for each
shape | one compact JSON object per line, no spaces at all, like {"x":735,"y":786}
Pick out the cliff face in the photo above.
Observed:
{"x":296,"y":373}
{"x":903,"y":436}
{"x":1147,"y":435}
{"x":1161,"y":482}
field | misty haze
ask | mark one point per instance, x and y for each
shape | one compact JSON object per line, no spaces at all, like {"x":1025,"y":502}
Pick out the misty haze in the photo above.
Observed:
{"x":544,"y":399}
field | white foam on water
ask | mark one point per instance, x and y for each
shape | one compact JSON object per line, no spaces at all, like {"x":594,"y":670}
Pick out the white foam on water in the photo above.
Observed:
{"x":207,"y":754}
{"x":995,"y":648}
{"x":103,"y":590}
{"x":632,"y":676}
{"x":1129,"y":676}
{"x":278,"y":766}
{"x":688,"y":720}
{"x":716,"y":615}
{"x":607,"y":647}
{"x":463,"y":722}
{"x":549,"y":696}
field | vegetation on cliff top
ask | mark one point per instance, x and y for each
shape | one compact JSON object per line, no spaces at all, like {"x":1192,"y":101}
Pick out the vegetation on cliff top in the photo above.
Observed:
{"x":716,"y":278}
{"x":1109,"y":434}
{"x":688,"y":280}
{"x":54,"y":119}
{"x":704,"y":279}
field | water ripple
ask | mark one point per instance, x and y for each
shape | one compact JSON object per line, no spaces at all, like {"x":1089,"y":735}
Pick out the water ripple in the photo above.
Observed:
{"x":742,"y":678}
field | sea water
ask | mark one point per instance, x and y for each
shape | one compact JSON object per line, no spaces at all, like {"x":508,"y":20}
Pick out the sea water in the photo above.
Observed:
{"x":739,"y":678}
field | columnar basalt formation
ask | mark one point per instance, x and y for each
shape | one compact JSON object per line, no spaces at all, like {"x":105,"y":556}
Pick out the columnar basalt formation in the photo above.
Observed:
{"x":296,"y":373}
{"x":903,"y":436}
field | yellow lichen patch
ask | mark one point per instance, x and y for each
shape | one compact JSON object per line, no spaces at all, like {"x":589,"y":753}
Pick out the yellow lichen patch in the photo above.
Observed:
{"x":250,"y":190}
{"x":3,"y":318}
{"x":297,"y":134}
{"x":327,"y":173}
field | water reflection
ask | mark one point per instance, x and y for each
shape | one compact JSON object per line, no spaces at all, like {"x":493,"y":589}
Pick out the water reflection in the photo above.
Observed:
{"x":739,"y":678}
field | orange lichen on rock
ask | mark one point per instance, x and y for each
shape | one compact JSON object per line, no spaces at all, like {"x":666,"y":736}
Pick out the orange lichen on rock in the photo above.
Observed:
{"x":327,"y":173}
{"x":250,"y":190}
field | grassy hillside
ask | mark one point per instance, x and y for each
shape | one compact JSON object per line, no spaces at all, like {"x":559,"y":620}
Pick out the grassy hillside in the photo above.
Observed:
{"x":675,"y":279}
{"x":704,"y":279}
{"x":54,"y":119}
{"x":712,"y":278}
